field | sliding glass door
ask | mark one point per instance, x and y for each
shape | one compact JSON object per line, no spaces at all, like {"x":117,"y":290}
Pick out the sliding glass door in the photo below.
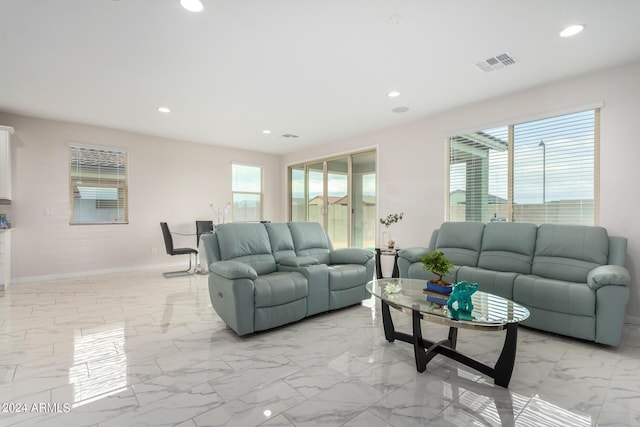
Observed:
{"x":337,"y":179}
{"x":297,"y":200}
{"x":363,"y":200}
{"x":315,"y":193}
{"x":340,"y":194}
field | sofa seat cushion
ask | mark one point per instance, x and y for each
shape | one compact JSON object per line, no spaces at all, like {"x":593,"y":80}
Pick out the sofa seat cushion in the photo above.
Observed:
{"x":281,"y":241}
{"x":555,"y":295}
{"x":494,"y":282}
{"x":248,"y":243}
{"x":460,"y":241}
{"x":415,"y":271}
{"x":310,"y":239}
{"x":508,"y":246}
{"x":279,"y":288}
{"x":569,"y":252}
{"x":346,"y":276}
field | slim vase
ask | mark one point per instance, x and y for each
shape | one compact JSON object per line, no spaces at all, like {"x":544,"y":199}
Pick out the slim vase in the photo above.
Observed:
{"x":384,"y":240}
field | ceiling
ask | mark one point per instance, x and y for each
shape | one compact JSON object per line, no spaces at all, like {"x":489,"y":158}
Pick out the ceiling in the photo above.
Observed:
{"x":320,"y":69}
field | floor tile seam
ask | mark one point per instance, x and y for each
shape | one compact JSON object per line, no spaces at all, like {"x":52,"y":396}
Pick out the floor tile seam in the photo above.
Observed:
{"x":577,"y":409}
{"x":103,"y":322}
{"x":494,"y":398}
{"x":438,"y":414}
{"x":388,"y":423}
{"x":54,"y":365}
{"x":11,"y":338}
{"x":604,"y":400}
{"x":16,"y":357}
{"x":20,"y":422}
{"x":119,"y":414}
{"x":44,"y":375}
{"x":282,"y":411}
{"x":358,"y":414}
{"x":26,"y":396}
{"x":590,"y":380}
{"x":524,"y":408}
{"x":241,"y":402}
{"x":304,"y":401}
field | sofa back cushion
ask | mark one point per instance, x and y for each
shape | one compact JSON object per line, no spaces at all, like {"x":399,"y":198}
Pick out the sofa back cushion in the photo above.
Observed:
{"x":281,"y":240}
{"x":508,"y":246}
{"x":460,"y":242}
{"x":569,"y":252}
{"x":248,"y":243}
{"x":309,"y":239}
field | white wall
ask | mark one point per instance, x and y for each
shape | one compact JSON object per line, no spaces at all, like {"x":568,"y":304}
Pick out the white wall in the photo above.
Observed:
{"x":169,"y":180}
{"x":411,"y":168}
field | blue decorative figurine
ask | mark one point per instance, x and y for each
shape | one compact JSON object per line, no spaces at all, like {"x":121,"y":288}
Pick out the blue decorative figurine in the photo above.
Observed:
{"x":461,"y":293}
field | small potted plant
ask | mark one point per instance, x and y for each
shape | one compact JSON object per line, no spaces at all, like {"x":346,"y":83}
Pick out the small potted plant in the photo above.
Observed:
{"x":438,"y":264}
{"x":387,"y":221}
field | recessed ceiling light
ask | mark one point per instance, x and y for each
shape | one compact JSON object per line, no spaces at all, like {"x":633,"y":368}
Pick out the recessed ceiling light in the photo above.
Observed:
{"x":266,"y":131}
{"x":393,"y":94}
{"x":400,"y":109}
{"x":192,"y":5}
{"x":571,"y":30}
{"x":164,"y":110}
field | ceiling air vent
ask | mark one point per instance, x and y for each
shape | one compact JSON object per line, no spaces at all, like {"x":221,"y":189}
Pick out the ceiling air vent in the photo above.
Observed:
{"x":289,"y":135}
{"x":496,"y":62}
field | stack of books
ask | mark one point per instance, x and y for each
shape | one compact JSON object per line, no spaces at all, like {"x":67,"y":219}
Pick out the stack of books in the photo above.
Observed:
{"x":437,"y":294}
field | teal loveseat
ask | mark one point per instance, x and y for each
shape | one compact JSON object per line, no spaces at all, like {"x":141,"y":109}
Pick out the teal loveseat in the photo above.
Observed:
{"x":571,"y":278}
{"x":266,"y":275}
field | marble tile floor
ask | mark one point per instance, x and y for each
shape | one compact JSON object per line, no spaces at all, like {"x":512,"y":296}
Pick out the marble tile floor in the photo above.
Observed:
{"x":136,"y":349}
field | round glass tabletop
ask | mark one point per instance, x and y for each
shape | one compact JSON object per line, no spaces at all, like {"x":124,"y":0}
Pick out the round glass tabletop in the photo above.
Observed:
{"x":410,"y":294}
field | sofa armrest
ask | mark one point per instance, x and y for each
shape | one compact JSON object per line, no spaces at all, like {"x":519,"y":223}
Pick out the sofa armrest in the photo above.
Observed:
{"x":413,"y":254}
{"x":608,"y":275}
{"x":298,"y":261}
{"x":233,"y":270}
{"x":350,"y":256}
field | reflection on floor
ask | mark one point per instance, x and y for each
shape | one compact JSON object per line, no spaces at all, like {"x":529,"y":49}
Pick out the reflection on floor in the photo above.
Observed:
{"x":139,"y":349}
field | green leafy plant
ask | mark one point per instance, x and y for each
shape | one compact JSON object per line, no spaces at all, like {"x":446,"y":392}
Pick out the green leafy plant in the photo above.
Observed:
{"x":391,"y":219}
{"x":439,"y":265}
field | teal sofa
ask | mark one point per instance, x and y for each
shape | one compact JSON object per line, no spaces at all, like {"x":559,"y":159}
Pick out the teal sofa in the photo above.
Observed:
{"x":266,"y":275}
{"x":571,"y":278}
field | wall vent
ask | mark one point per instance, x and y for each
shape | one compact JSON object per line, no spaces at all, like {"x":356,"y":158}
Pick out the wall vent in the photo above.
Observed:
{"x":496,"y":62}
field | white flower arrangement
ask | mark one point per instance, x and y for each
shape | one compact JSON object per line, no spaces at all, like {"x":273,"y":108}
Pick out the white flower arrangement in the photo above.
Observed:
{"x":391,"y":288}
{"x":220,"y":215}
{"x":391,"y":219}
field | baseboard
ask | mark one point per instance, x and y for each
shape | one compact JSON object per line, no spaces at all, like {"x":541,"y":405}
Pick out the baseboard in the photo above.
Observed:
{"x":632,"y":320}
{"x":64,"y":276}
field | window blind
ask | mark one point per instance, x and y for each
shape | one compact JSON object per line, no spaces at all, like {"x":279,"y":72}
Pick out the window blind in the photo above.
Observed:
{"x":543,"y":171}
{"x":246,"y":186}
{"x":478,"y":175}
{"x":98,"y":185}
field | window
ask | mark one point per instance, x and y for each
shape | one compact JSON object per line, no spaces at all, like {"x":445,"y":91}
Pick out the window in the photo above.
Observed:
{"x":98,"y":185}
{"x":246,"y":183}
{"x":543,"y":171}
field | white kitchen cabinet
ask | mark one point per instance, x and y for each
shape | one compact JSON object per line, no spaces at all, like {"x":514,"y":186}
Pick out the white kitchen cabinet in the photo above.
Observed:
{"x":5,"y":162}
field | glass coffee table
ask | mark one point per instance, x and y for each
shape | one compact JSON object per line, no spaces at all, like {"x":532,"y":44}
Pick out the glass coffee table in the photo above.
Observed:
{"x":490,"y":312}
